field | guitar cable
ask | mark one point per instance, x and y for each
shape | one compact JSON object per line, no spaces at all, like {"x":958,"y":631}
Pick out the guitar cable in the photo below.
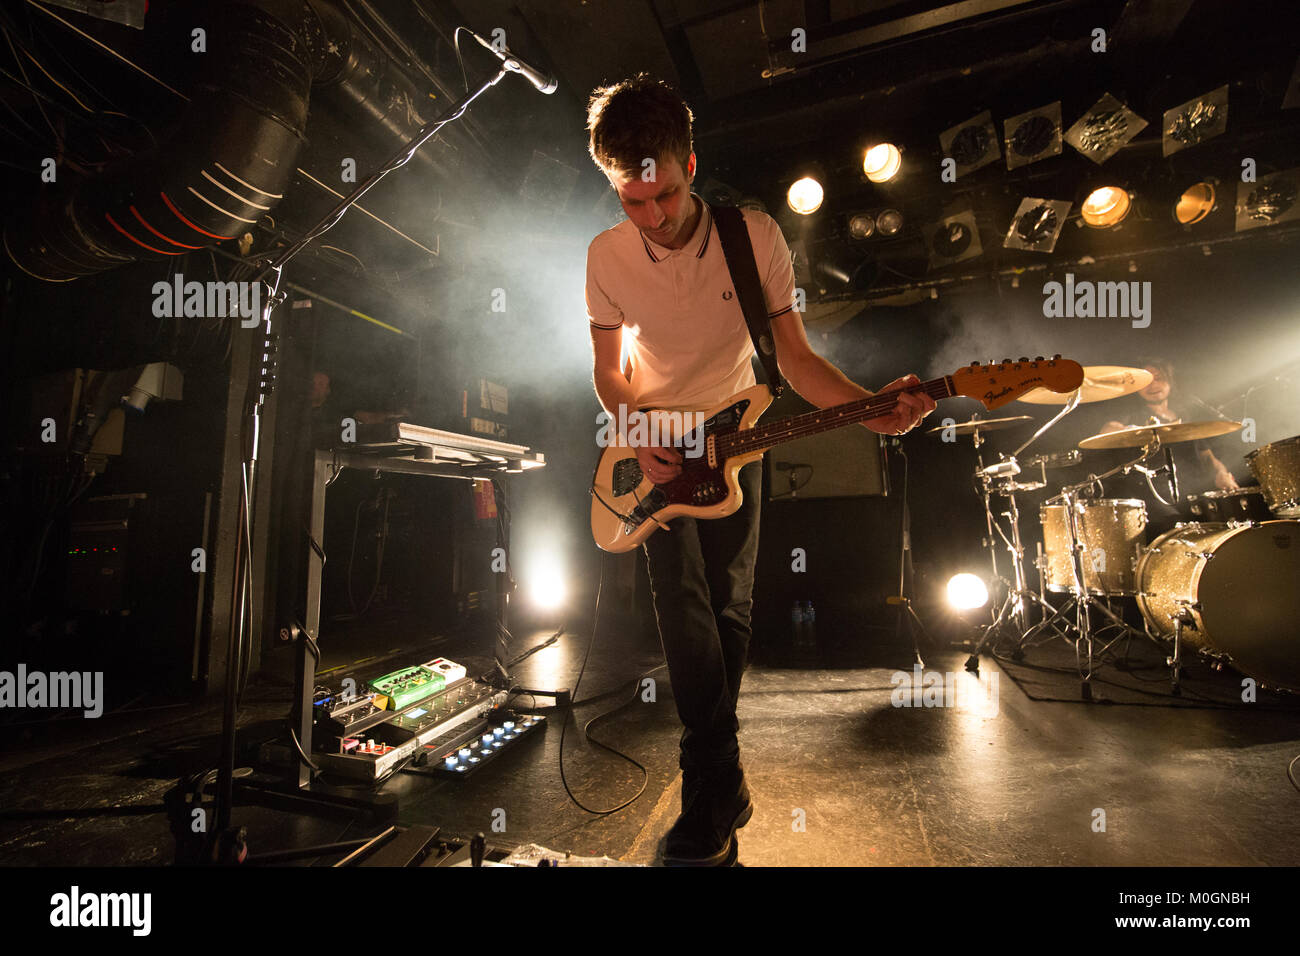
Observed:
{"x":586,"y":728}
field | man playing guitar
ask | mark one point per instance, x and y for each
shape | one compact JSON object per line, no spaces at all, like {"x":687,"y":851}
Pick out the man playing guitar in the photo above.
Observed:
{"x":658,"y":283}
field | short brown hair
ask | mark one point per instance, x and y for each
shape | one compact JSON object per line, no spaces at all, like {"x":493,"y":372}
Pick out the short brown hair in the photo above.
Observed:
{"x":636,"y":119}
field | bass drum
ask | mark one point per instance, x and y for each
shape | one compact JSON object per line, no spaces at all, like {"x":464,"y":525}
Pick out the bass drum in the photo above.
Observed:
{"x":1237,"y":589}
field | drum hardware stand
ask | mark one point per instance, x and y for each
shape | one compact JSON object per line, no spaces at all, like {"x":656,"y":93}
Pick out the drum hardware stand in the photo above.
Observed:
{"x":1013,"y":606}
{"x":1175,"y":663}
{"x":1084,"y":601}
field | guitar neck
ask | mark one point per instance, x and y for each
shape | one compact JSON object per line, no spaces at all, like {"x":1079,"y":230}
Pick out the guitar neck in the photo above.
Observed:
{"x":763,"y":437}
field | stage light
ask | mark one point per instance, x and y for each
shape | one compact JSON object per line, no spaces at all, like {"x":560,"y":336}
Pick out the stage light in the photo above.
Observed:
{"x":971,"y":145}
{"x":1105,"y":129}
{"x":841,"y":268}
{"x":889,"y":222}
{"x":1195,"y":203}
{"x":1032,"y":136}
{"x":546,"y":587}
{"x":1195,"y":121}
{"x":967,"y":592}
{"x":882,"y":162}
{"x":862,"y":226}
{"x":805,"y":196}
{"x":954,"y":238}
{"x":1037,"y":224}
{"x":1268,"y":201}
{"x":1106,"y":206}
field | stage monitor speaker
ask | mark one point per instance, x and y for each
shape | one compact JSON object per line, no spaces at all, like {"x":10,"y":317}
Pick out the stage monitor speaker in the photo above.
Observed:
{"x":847,"y":462}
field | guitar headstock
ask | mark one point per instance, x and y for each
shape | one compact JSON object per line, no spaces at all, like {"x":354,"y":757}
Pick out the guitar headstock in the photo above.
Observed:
{"x":997,"y":384}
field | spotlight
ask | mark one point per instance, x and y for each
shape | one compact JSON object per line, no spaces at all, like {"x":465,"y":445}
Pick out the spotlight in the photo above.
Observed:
{"x":805,"y":196}
{"x":1037,"y":225}
{"x":861,"y":226}
{"x":1196,"y":202}
{"x":971,"y":144}
{"x":547,"y":588}
{"x":882,"y":162}
{"x":1270,"y":200}
{"x":967,"y":592}
{"x":1105,"y":129}
{"x":1195,"y":121}
{"x":954,"y":238}
{"x":1106,"y":206}
{"x":1034,"y":135}
{"x":842,"y":268}
{"x":889,"y":222}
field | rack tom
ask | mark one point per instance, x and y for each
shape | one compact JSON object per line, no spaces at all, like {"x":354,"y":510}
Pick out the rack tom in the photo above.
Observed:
{"x":1244,"y":504}
{"x":1111,"y":533}
{"x":1277,"y":468}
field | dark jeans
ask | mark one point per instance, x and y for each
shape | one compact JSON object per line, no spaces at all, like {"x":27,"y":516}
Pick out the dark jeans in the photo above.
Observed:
{"x":702,"y":579}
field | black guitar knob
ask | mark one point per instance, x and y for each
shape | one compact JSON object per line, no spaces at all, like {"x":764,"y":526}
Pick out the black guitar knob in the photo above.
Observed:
{"x":1006,"y":361}
{"x":1023,"y":358}
{"x":1038,"y":358}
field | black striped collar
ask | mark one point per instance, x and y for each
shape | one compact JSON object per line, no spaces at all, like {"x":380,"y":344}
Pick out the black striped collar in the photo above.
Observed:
{"x":698,"y":245}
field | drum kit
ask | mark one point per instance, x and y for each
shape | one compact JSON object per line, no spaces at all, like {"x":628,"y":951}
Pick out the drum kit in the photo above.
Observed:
{"x":1225,"y":583}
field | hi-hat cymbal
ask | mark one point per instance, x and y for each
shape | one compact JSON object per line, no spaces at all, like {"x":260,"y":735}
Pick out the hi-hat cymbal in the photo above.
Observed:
{"x":1141,"y":435}
{"x":976,"y":425}
{"x":1100,"y":383}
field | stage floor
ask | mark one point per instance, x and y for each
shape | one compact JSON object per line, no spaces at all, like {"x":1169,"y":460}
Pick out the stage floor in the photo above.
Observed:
{"x":840,"y":772}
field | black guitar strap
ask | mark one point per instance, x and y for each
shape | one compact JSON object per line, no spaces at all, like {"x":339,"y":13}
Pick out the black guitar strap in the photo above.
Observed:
{"x":739,"y":253}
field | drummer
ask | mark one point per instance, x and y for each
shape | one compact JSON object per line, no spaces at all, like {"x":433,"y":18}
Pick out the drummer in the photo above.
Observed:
{"x":1153,"y":402}
{"x":1198,"y":467}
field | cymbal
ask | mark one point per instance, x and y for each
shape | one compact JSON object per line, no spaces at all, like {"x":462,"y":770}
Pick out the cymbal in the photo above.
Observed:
{"x":1140,"y":435}
{"x":1100,"y":383}
{"x":976,"y":425}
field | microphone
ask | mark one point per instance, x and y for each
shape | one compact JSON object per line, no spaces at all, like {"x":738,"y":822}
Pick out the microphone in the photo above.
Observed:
{"x":1206,"y":405}
{"x":539,"y":78}
{"x":1173,"y":472}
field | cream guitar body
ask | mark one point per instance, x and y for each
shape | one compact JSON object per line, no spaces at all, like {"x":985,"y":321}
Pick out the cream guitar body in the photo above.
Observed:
{"x":627,"y":507}
{"x":621,"y":492}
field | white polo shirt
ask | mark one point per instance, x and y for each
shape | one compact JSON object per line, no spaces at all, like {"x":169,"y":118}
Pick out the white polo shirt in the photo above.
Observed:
{"x":678,"y":311}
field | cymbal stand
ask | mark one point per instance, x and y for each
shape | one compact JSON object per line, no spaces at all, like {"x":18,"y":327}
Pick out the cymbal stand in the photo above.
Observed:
{"x":1013,"y":605}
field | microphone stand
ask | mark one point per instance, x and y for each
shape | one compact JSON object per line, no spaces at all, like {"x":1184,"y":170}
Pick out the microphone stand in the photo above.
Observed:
{"x":227,"y":844}
{"x":906,"y":613}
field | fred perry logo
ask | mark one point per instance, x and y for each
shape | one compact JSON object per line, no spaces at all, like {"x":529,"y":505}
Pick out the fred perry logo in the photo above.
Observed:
{"x":726,"y":296}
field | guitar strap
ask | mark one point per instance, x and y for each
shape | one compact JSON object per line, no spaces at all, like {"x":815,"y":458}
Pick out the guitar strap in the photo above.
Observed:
{"x":739,"y":253}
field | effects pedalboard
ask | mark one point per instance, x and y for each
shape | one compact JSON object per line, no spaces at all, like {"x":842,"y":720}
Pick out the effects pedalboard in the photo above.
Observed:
{"x":430,"y":718}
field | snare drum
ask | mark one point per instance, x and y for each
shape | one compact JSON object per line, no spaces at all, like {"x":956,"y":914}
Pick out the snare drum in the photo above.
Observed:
{"x":1277,"y":468}
{"x":1110,"y":530}
{"x":1236,"y":589}
{"x":1245,"y":504}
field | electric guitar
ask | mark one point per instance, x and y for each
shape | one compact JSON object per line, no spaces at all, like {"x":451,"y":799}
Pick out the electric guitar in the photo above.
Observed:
{"x":627,"y":507}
